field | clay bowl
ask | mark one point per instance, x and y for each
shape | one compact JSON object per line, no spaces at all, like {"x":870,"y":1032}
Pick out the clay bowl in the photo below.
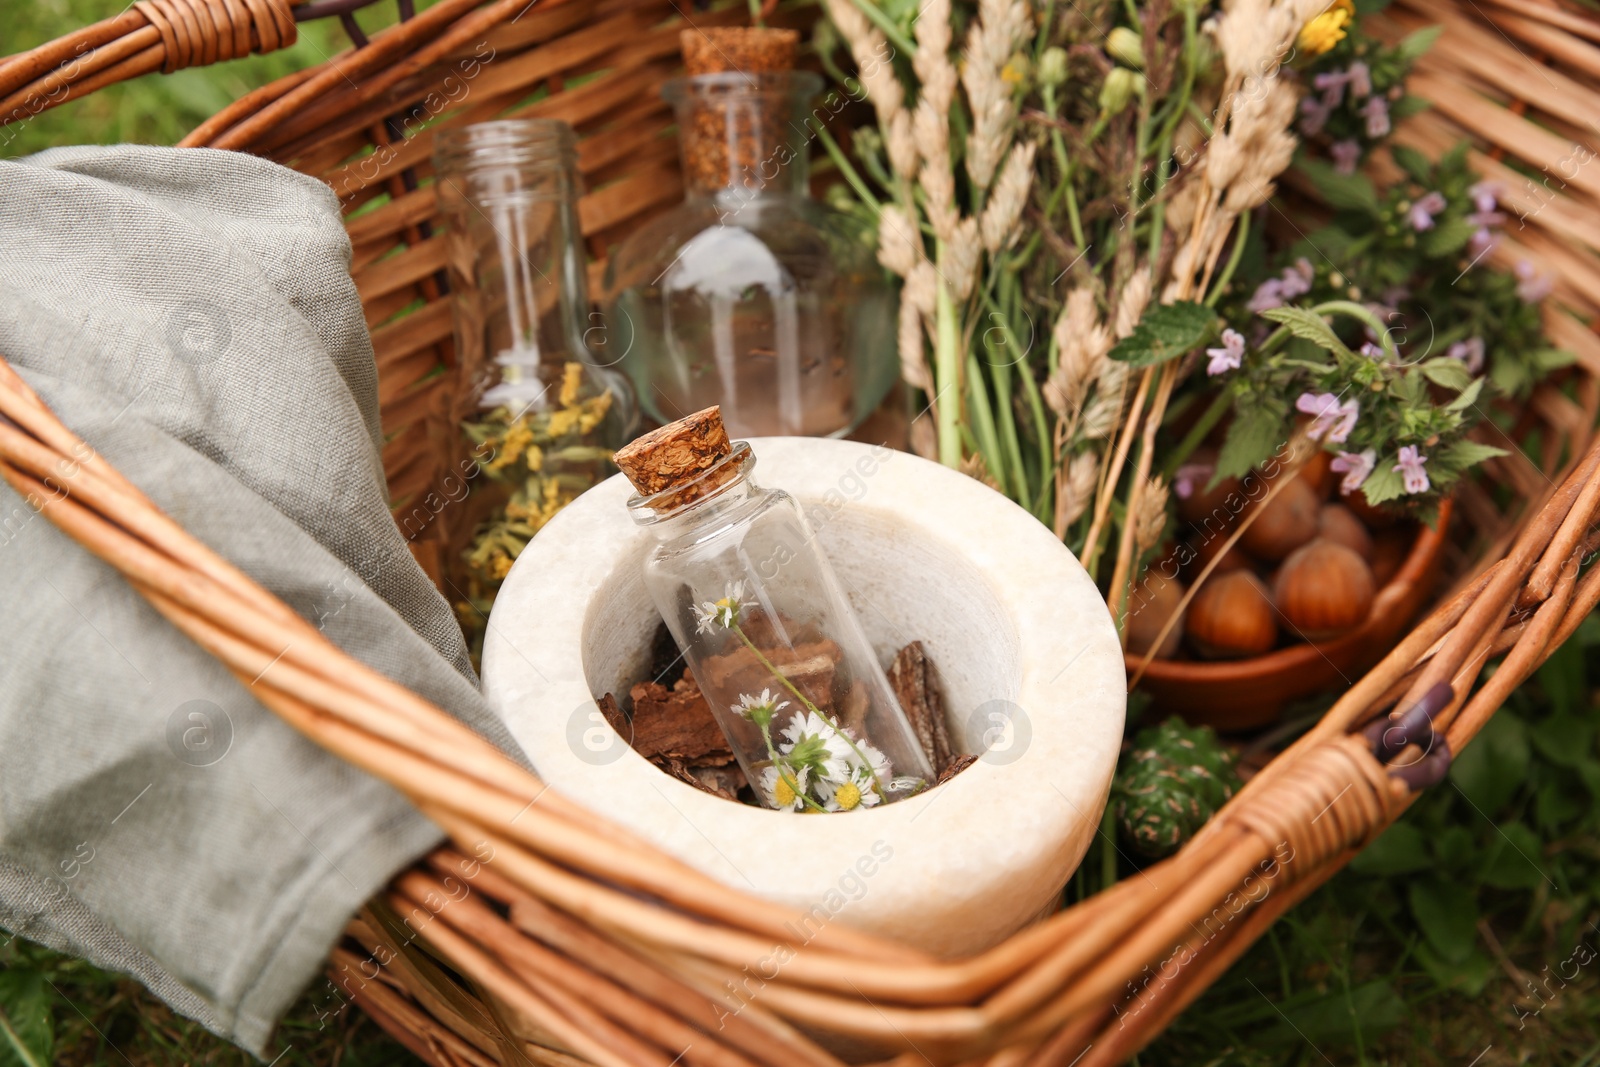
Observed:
{"x":1250,"y":693}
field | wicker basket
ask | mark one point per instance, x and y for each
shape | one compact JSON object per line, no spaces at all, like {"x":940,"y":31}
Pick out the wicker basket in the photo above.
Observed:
{"x":546,"y":934}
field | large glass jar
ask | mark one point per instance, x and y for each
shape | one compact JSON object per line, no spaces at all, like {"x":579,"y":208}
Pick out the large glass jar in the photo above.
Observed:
{"x":760,"y":616}
{"x":532,"y":411}
{"x":751,"y":295}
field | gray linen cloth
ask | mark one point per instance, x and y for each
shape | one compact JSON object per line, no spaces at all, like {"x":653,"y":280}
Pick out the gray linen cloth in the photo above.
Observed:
{"x":190,"y":314}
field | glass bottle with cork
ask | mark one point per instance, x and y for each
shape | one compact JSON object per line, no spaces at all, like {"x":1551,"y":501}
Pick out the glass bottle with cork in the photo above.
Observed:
{"x":767,"y":631}
{"x":751,"y":295}
{"x":532,"y":411}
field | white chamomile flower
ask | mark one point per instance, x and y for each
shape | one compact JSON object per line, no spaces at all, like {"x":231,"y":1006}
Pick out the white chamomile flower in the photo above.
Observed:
{"x":810,"y":741}
{"x":875,"y":765}
{"x":759,"y":709}
{"x":858,"y":792}
{"x":711,"y":614}
{"x":785,"y":787}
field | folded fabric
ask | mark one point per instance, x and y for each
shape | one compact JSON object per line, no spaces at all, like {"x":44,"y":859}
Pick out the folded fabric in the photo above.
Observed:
{"x":190,"y":314}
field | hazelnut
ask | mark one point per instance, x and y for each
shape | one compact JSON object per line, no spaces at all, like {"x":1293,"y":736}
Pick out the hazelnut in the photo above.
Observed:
{"x":1375,"y":516}
{"x":1202,"y":550}
{"x":1209,"y":507}
{"x":1232,"y":617}
{"x":1339,"y":524}
{"x":1287,"y":520}
{"x":1317,"y":472}
{"x":1150,"y":604}
{"x":1324,"y":589}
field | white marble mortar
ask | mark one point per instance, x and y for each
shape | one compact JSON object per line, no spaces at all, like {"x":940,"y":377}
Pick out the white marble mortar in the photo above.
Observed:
{"x":1028,"y":660}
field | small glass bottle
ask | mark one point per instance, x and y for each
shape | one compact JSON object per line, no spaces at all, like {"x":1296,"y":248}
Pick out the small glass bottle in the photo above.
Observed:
{"x":531,"y":410}
{"x":759,"y":614}
{"x":751,"y":295}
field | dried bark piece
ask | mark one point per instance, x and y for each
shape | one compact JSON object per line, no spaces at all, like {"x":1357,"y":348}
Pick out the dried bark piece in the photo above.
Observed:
{"x":718,"y":49}
{"x":955,"y":767}
{"x":853,"y":716}
{"x":911,"y":676}
{"x":810,"y":666}
{"x":614,"y":716}
{"x":676,"y":723}
{"x":723,"y":781}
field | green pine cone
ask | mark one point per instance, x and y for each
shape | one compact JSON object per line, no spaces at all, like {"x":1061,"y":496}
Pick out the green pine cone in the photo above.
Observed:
{"x":1173,"y":779}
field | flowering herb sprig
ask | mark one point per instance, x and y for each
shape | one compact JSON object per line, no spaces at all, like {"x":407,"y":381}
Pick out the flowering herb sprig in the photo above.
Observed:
{"x":1397,"y":428}
{"x":1355,"y":91}
{"x":813,"y":763}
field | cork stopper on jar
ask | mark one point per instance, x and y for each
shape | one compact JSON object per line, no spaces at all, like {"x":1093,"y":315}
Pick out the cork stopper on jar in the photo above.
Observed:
{"x":677,"y":456}
{"x":720,"y":49}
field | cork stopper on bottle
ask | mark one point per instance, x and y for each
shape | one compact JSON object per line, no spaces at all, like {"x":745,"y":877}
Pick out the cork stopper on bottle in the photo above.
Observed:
{"x":676,"y":455}
{"x":751,"y":49}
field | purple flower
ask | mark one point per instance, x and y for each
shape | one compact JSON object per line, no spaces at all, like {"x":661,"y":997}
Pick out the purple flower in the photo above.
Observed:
{"x":1331,"y":85}
{"x":1355,"y":466}
{"x":1469,"y":352}
{"x":1313,"y":116}
{"x":1485,"y":196}
{"x":1425,"y":208}
{"x":1374,"y":352}
{"x":1276,"y":292}
{"x":1329,"y":417}
{"x":1484,"y":241}
{"x":1268,"y":295}
{"x":1486,"y":218}
{"x":1360,"y":79}
{"x":1298,"y":278}
{"x":1410,"y":466}
{"x":1189,"y":477}
{"x":1346,"y":155}
{"x":1533,"y":286}
{"x":1376,"y":110}
{"x":1229,"y":356}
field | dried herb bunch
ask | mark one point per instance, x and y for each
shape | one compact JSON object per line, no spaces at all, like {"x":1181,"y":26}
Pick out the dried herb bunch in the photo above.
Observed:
{"x":543,"y":458}
{"x":1079,"y":199}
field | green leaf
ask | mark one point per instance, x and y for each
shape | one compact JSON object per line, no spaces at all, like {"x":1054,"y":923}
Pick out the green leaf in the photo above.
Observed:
{"x":1447,"y":238}
{"x":1167,"y":331}
{"x":1454,"y":848}
{"x":1413,"y":45}
{"x":27,"y":1027}
{"x":1460,"y":455}
{"x":1557,"y":806}
{"x":1468,"y":977}
{"x":1468,"y":397}
{"x":1372,"y":1007}
{"x":1406,"y":106}
{"x":1445,"y":371}
{"x":1565,"y":740}
{"x":1562,"y":677}
{"x":1401,"y":849}
{"x":1384,"y":483}
{"x":1514,"y":854}
{"x":1490,"y":770}
{"x":1344,"y":192}
{"x":1253,"y":435}
{"x":1548,"y":359}
{"x":1447,"y":914}
{"x":1413,"y":163}
{"x":1308,"y":326}
{"x":1589,"y":773}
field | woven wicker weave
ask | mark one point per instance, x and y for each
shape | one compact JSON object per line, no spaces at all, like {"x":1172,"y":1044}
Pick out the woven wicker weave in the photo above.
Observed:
{"x":563,"y":939}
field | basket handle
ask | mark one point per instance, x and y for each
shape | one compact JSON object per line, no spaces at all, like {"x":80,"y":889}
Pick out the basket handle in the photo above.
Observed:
{"x":164,"y":35}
